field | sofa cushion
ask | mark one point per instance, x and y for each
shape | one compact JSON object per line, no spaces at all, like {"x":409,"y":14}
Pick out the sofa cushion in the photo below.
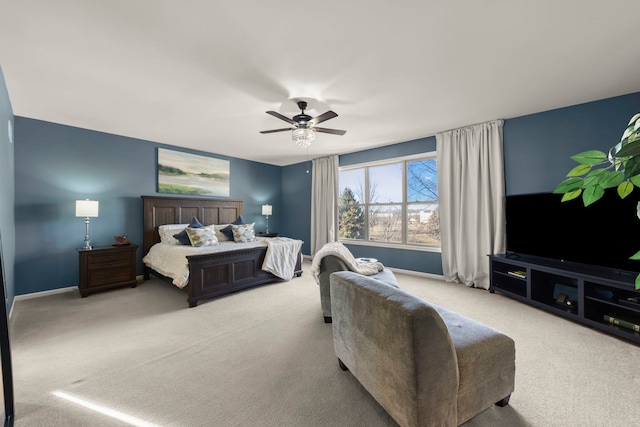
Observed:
{"x":386,"y":276}
{"x":486,"y":362}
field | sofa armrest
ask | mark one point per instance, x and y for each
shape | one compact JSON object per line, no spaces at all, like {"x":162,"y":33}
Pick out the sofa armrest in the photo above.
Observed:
{"x":328,"y":265}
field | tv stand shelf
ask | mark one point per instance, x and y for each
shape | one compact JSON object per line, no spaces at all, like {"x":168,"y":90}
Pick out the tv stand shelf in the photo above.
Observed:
{"x":598,"y":297}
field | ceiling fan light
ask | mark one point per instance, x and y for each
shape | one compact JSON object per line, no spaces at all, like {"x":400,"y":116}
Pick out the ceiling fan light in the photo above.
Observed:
{"x":302,"y":137}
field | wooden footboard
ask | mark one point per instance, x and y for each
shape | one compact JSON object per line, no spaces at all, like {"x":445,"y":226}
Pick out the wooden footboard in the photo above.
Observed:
{"x":210,"y":275}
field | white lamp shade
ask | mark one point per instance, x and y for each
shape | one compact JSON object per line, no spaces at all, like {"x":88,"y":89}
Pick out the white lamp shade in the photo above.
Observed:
{"x":266,"y":210}
{"x":86,"y":208}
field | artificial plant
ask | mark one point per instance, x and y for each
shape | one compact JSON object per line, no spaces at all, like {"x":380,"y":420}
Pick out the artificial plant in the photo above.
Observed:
{"x":598,"y":171}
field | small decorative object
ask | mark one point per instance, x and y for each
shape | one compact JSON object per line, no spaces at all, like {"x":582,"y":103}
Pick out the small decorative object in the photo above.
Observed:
{"x":122,"y":240}
{"x":87,"y":209}
{"x":267,"y":211}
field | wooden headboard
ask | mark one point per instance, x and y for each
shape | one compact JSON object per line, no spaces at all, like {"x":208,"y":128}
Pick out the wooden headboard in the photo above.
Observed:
{"x":160,"y":210}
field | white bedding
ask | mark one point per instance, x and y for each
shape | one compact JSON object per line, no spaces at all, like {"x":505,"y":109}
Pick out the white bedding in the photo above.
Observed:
{"x":171,"y":260}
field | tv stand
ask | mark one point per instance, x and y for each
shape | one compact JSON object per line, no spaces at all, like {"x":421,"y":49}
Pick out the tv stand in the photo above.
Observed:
{"x":602,"y":298}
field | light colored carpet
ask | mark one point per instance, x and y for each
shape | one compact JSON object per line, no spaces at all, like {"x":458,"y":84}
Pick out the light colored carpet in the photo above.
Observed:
{"x":264,"y":357}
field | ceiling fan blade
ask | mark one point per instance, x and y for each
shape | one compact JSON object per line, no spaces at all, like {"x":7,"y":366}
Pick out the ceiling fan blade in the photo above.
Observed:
{"x":275,"y":130}
{"x":280,"y":116}
{"x":332,"y":131}
{"x":322,"y":117}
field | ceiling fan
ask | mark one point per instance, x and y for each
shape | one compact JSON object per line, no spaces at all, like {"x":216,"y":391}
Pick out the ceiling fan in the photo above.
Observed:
{"x":303,"y":126}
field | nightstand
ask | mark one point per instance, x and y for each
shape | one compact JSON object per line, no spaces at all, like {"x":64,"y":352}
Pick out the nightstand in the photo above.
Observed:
{"x":107,"y":267}
{"x":267,"y":234}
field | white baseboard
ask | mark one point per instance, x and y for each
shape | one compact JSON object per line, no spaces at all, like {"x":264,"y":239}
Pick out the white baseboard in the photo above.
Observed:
{"x":40,"y":294}
{"x":51,"y":292}
{"x":45,"y":293}
{"x":417,"y":273}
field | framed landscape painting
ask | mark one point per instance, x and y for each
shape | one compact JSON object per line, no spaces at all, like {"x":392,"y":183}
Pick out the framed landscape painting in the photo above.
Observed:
{"x":190,"y":174}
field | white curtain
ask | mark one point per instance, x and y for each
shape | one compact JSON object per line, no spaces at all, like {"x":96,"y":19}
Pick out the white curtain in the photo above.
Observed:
{"x":324,"y":209}
{"x":471,"y":198}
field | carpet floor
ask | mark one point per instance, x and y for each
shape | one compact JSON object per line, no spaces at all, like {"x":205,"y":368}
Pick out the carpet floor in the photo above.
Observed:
{"x":264,"y":357}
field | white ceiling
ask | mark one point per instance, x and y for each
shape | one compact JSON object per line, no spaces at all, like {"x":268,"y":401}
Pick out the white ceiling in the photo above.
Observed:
{"x":201,"y":74}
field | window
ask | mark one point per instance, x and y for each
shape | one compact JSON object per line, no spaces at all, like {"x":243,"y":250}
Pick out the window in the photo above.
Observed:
{"x":394,"y":202}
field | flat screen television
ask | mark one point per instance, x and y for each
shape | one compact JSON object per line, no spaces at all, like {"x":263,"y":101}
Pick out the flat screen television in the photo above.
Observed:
{"x":604,"y":234}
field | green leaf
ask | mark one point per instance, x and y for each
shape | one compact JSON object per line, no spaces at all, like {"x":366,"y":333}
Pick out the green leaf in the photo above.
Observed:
{"x":634,"y":118}
{"x":637,"y":125}
{"x":570,"y":195}
{"x":632,"y":149}
{"x":624,"y":189}
{"x":638,"y":282}
{"x":579,"y":170}
{"x":635,"y":180}
{"x":591,"y":180}
{"x":591,"y":157}
{"x":635,"y":256}
{"x":592,"y":194}
{"x":597,"y":172}
{"x":631,"y":167}
{"x":612,"y":179}
{"x":567,"y":185}
{"x":628,"y":131}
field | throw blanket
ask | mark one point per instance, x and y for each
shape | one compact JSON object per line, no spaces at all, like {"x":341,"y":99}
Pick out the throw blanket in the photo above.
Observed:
{"x":281,"y":257}
{"x":341,"y":251}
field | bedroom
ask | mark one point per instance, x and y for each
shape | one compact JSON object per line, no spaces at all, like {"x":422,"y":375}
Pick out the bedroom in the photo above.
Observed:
{"x":47,"y":231}
{"x":55,"y":164}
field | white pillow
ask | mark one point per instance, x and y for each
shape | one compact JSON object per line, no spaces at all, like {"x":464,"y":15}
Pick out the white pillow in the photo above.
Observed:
{"x":243,"y":233}
{"x":167,"y":231}
{"x":203,"y":236}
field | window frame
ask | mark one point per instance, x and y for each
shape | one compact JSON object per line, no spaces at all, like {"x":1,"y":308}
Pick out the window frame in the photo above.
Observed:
{"x":404,"y":204}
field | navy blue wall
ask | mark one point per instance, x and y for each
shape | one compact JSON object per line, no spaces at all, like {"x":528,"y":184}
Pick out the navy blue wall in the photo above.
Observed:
{"x":56,"y":165}
{"x":296,"y":212}
{"x":537,"y":147}
{"x":7,"y":191}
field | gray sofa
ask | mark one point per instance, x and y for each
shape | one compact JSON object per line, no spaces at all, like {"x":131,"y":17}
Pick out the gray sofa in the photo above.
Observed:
{"x":424,"y":364}
{"x":331,"y":264}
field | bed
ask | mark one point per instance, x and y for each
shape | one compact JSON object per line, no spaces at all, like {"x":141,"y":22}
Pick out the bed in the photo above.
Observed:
{"x":212,"y":274}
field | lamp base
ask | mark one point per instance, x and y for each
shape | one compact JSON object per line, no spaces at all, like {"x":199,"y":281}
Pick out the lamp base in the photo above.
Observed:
{"x":87,"y":241}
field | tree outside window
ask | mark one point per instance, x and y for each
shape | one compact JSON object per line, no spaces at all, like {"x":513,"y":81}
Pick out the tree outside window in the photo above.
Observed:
{"x":395,"y":202}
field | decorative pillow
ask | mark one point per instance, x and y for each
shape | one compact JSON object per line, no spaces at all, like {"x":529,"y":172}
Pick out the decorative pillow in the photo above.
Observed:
{"x":227,"y":231}
{"x":182,"y":236}
{"x":167,"y":231}
{"x":243,"y":233}
{"x":220,"y":235}
{"x":202,"y":236}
